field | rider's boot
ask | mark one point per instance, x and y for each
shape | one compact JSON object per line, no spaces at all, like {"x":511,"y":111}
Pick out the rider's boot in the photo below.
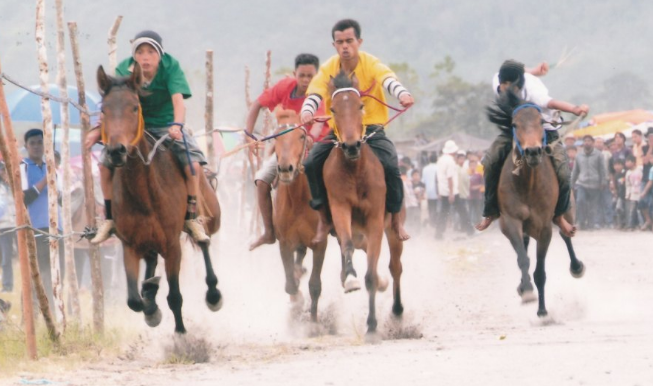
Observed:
{"x":192,"y":224}
{"x":107,"y":228}
{"x":265,"y":205}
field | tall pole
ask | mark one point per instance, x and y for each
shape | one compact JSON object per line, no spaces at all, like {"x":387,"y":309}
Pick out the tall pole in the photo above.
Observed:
{"x":51,"y":177}
{"x":89,"y":194}
{"x":208,"y":114}
{"x":113,"y":47}
{"x":71,"y":273}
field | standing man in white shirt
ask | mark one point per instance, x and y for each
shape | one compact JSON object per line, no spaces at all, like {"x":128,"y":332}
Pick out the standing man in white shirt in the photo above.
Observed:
{"x":447,"y":176}
{"x":430,"y":182}
{"x":512,"y":75}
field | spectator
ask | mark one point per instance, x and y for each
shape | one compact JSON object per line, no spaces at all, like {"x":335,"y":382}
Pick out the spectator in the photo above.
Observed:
{"x":633,"y":191}
{"x":7,"y":238}
{"x":619,"y":186}
{"x":606,"y":212}
{"x":646,"y":199}
{"x":637,"y":148}
{"x":476,"y":185}
{"x":619,"y":150}
{"x":463,"y":189}
{"x":410,"y":201}
{"x":35,"y":191}
{"x":447,"y":177}
{"x":571,"y":155}
{"x":570,"y":140}
{"x":430,"y":182}
{"x":587,"y":179}
{"x":420,"y":193}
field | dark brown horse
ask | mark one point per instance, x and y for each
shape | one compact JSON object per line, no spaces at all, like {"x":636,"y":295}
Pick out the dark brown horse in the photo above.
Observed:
{"x":528,"y":192}
{"x":356,"y":191}
{"x":149,"y":202}
{"x":295,"y":223}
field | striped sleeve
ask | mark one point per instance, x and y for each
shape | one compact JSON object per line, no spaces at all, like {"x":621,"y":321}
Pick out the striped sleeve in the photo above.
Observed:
{"x":311,"y":104}
{"x":394,"y":87}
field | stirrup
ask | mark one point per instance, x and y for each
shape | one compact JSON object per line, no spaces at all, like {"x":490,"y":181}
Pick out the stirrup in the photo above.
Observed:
{"x":196,"y":230}
{"x":104,"y":232}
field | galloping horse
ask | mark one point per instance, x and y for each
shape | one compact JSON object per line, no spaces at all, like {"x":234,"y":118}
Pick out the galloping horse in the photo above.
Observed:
{"x":149,"y":202}
{"x":356,"y":191}
{"x":527,"y":197}
{"x":295,"y":223}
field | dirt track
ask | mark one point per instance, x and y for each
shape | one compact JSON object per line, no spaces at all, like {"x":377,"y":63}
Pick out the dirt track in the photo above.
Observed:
{"x":459,"y":295}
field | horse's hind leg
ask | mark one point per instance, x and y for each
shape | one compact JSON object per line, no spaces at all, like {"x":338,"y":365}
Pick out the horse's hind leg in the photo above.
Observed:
{"x":149,"y":289}
{"x":132,"y":261}
{"x":175,"y":300}
{"x":315,"y":282}
{"x":577,"y":268}
{"x":300,"y":254}
{"x":540,"y":274}
{"x":396,"y":268}
{"x":213,"y":295}
{"x":512,"y":229}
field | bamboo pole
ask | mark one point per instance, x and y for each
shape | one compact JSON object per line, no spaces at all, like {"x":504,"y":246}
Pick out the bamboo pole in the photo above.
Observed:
{"x":96,"y":270}
{"x":51,"y":177}
{"x":243,"y":191}
{"x":208,"y":114}
{"x":113,"y":58}
{"x":71,"y":273}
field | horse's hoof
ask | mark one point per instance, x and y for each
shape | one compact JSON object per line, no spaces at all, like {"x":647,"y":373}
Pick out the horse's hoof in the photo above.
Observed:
{"x":542,"y":313}
{"x":297,"y":302}
{"x":383,"y":284}
{"x":215,"y":306}
{"x":351,"y":284}
{"x":373,"y":337}
{"x":580,"y":272}
{"x":154,"y":319}
{"x":528,"y":297}
{"x":397,"y":310}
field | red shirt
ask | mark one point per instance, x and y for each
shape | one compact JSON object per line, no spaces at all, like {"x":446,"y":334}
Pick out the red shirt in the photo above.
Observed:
{"x":281,"y":94}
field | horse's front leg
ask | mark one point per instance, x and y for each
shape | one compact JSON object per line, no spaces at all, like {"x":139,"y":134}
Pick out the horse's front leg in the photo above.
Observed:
{"x":287,"y":252}
{"x":300,"y":254}
{"x":512,"y":229}
{"x":149,"y":289}
{"x":175,"y":300}
{"x":341,"y":214}
{"x":540,"y":274}
{"x":374,"y":239}
{"x":214,"y":298}
{"x":132,"y":268}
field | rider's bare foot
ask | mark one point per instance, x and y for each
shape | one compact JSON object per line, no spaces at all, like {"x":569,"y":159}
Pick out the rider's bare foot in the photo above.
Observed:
{"x":566,"y":229}
{"x":323,"y":229}
{"x":398,"y":227}
{"x":266,"y":238}
{"x":485,"y":223}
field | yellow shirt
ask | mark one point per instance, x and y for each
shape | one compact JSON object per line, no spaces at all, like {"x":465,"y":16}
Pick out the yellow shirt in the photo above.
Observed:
{"x":370,"y":72}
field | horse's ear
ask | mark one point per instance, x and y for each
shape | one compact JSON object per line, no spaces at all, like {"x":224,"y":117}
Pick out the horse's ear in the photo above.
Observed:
{"x":354,"y":80}
{"x":331,"y":87}
{"x":136,"y":80}
{"x":103,"y":81}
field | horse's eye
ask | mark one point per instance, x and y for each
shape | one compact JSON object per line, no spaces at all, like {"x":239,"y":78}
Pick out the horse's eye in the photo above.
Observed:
{"x":332,"y":110}
{"x":303,"y":137}
{"x":362,"y":105}
{"x":135,"y":109}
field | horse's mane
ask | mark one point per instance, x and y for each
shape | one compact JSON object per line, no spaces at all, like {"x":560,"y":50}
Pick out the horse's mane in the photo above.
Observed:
{"x":342,"y":80}
{"x":501,"y":112}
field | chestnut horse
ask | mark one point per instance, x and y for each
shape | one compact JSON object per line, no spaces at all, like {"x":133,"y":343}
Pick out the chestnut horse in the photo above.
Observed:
{"x":149,"y":202}
{"x":356,"y":191}
{"x":527,"y":197}
{"x":295,"y":223}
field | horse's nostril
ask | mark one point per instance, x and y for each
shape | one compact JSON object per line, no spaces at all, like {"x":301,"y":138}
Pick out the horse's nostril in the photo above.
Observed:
{"x":358,"y":144}
{"x":290,"y":168}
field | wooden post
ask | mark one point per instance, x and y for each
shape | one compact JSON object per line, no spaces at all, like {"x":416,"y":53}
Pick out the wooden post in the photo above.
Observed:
{"x":113,"y":60}
{"x":71,"y":273}
{"x":51,"y":177}
{"x":96,"y":270}
{"x":14,"y":175}
{"x":243,"y":192}
{"x":208,"y":114}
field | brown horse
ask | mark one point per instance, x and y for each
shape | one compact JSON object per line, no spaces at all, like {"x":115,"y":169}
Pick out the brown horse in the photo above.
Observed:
{"x":528,"y":196}
{"x":149,"y":202}
{"x":356,"y":191}
{"x":295,"y":223}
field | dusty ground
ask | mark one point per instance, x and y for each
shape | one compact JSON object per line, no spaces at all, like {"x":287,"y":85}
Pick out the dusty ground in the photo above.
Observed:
{"x":463,"y":325}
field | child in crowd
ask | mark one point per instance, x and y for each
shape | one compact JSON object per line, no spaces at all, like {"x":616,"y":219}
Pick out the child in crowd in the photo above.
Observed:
{"x":619,"y":186}
{"x":633,"y":190}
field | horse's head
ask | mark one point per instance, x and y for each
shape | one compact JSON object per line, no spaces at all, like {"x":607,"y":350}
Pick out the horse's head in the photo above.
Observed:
{"x":122,"y":121}
{"x":524,"y":122}
{"x":290,"y":147}
{"x":347,"y":109}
